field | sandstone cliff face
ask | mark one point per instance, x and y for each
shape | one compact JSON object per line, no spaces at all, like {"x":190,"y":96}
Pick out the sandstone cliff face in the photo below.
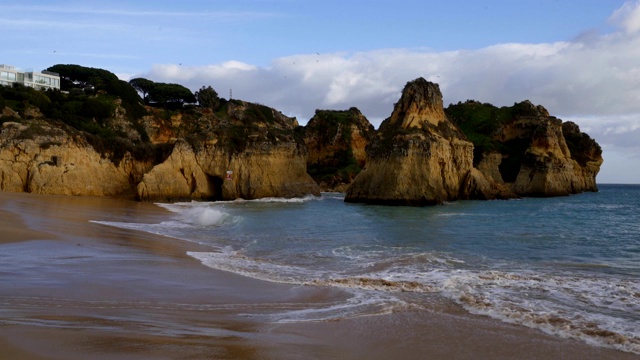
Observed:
{"x":548,"y":167}
{"x":43,"y":159}
{"x":212,"y":174}
{"x":423,"y":103}
{"x":418,"y":157}
{"x":530,"y":152}
{"x":244,"y":151}
{"x":422,"y":154}
{"x":336,"y":142}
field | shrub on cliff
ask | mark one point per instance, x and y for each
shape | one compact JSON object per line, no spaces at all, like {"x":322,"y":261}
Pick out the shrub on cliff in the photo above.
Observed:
{"x":18,"y":96}
{"x":479,"y":122}
{"x":81,"y":77}
{"x":163,"y":94}
{"x":208,"y":98}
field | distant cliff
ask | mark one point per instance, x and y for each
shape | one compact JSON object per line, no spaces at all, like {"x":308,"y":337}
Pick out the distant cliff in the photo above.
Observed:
{"x":420,"y":156}
{"x":336,"y":141}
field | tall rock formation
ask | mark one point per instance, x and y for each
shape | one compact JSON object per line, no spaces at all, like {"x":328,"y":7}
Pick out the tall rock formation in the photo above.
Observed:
{"x":418,"y":156}
{"x":336,"y":141}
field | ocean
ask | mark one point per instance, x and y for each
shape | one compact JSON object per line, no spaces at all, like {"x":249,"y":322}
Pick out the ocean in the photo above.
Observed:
{"x":567,"y":266}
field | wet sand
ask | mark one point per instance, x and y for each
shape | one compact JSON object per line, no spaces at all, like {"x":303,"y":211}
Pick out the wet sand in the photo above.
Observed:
{"x":73,"y":289}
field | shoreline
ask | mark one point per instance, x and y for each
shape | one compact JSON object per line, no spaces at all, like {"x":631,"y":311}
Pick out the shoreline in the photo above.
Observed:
{"x":100,"y":292}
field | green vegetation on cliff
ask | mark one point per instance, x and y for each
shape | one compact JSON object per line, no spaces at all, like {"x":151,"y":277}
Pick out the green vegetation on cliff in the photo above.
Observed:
{"x":480,"y":122}
{"x":582,"y":147}
{"x":87,"y":107}
{"x":167,"y":95}
{"x":77,"y":79}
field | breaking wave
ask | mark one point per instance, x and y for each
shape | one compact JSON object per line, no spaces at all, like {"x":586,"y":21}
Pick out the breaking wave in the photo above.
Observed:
{"x":562,"y":305}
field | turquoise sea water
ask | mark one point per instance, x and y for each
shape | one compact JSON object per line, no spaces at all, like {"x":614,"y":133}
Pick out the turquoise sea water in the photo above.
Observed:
{"x":568,"y":266}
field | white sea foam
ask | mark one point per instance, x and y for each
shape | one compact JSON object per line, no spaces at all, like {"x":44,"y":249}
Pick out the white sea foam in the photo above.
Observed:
{"x":304,"y":199}
{"x":204,"y":214}
{"x":455,"y":214}
{"x":357,"y":305}
{"x":189,"y":220}
{"x":575,"y":301}
{"x":232,"y":261}
{"x":297,"y":200}
{"x":164,"y":228}
{"x":599,"y":311}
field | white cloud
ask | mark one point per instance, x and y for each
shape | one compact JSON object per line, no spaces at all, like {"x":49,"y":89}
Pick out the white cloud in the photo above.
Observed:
{"x":569,"y":78}
{"x":627,"y":17}
{"x":619,"y":132}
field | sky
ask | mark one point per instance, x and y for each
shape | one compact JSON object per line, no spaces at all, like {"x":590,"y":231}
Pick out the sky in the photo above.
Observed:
{"x":580,"y":59}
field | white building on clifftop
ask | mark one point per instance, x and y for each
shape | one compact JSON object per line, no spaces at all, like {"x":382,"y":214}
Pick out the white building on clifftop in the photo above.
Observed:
{"x":38,"y":80}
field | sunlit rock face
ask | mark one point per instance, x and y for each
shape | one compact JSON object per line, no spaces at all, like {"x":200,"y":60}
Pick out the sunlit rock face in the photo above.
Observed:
{"x":242,"y":150}
{"x":418,"y":156}
{"x":45,"y":159}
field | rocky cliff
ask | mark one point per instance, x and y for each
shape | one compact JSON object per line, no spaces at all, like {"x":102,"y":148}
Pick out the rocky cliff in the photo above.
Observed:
{"x":102,"y":141}
{"x":39,"y":157}
{"x":528,"y":151}
{"x":336,"y":141}
{"x":418,"y":156}
{"x":241,"y":150}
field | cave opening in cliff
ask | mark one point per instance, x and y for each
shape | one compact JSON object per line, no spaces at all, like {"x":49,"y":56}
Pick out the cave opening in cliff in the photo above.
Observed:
{"x":215,"y":187}
{"x":513,"y":153}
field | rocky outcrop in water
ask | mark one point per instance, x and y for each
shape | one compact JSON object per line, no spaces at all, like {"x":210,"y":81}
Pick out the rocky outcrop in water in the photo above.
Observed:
{"x":418,"y":156}
{"x":526,"y":150}
{"x":103,"y":142}
{"x":336,"y":141}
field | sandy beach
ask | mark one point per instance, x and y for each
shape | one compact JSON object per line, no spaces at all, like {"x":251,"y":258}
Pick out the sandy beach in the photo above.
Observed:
{"x":74,"y":289}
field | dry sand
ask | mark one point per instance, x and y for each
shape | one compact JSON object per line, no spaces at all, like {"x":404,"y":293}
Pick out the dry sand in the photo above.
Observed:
{"x":80,"y":290}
